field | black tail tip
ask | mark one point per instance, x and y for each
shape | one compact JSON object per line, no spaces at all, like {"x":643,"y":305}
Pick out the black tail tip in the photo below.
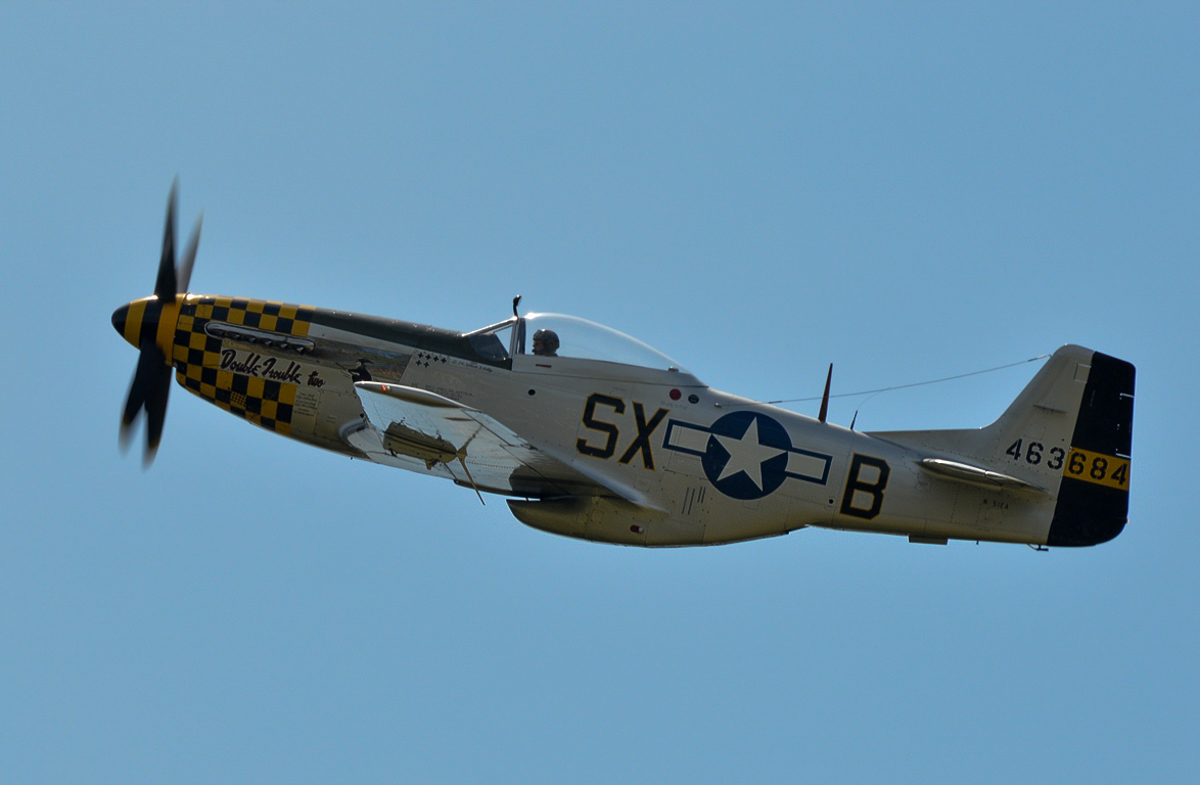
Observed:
{"x":1093,"y":499}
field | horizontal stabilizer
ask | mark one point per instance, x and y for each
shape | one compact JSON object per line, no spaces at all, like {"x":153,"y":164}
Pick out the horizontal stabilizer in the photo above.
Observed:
{"x":975,"y":474}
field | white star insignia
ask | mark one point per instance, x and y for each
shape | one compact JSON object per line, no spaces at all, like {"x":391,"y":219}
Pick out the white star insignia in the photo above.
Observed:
{"x":747,"y":454}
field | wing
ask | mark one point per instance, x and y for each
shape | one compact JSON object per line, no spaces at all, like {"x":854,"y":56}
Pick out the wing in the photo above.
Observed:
{"x":423,"y":431}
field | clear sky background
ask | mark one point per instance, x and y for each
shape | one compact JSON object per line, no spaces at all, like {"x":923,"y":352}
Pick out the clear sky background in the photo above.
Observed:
{"x":909,"y":191}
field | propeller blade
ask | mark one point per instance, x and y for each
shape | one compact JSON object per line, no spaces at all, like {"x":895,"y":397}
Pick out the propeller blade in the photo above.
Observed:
{"x":132,"y":407}
{"x":149,"y":390}
{"x":189,"y":257}
{"x":151,"y":385}
{"x":156,"y":412}
{"x":165,"y":285}
{"x":142,"y":389}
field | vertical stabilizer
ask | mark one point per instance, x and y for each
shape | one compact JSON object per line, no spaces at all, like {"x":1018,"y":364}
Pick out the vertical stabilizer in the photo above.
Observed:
{"x":1068,"y":433}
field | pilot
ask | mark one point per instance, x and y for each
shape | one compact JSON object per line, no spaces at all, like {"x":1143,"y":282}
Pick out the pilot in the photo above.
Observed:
{"x":545,"y":343}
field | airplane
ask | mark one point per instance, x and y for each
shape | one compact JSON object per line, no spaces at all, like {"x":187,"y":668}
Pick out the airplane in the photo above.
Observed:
{"x":591,"y":434}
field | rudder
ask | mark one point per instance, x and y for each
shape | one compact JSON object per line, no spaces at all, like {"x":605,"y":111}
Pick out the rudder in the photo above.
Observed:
{"x":1093,"y":499}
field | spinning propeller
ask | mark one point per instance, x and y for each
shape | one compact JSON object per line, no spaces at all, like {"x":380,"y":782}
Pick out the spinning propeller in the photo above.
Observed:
{"x":149,"y":324}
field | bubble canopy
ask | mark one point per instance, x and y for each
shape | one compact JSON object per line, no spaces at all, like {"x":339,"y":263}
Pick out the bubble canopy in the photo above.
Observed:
{"x":577,"y":338}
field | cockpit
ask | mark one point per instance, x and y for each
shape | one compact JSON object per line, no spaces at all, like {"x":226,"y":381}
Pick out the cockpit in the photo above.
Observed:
{"x":576,"y":338}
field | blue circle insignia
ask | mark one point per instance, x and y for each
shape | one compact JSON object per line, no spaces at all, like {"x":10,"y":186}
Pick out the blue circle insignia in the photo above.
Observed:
{"x":747,"y":455}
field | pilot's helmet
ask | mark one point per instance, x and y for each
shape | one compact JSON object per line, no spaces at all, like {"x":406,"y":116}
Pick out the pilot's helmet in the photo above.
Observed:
{"x":549,"y":340}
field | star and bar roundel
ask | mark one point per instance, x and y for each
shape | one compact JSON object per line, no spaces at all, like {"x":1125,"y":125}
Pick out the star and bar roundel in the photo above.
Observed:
{"x":747,"y":455}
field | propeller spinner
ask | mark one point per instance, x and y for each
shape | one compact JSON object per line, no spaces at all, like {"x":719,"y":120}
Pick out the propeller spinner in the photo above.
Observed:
{"x":149,"y":324}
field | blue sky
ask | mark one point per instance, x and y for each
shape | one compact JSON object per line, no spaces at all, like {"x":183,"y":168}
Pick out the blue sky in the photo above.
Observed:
{"x":909,"y":191}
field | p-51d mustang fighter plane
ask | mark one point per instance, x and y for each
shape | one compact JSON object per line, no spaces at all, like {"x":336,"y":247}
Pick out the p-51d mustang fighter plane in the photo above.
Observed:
{"x":595,"y":435}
